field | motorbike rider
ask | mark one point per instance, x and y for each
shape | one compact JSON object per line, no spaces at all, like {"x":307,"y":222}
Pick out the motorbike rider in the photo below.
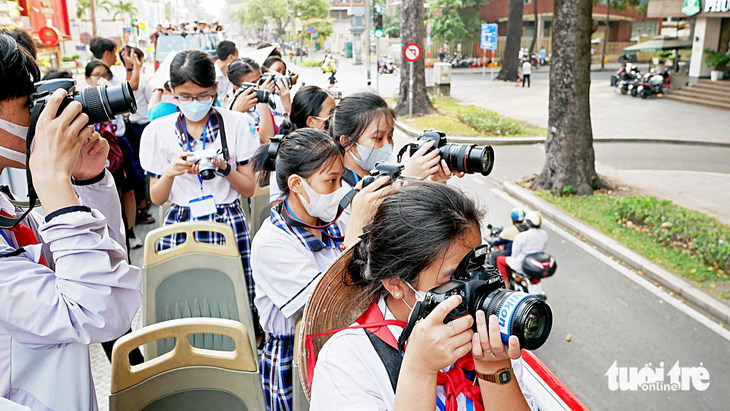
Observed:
{"x":534,"y":240}
{"x":507,"y":236}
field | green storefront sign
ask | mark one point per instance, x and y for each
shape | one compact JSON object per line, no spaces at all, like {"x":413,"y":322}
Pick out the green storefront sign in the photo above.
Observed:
{"x":691,"y":7}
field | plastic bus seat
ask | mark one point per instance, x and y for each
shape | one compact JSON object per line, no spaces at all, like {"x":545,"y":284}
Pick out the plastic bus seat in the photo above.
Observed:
{"x":299,"y":399}
{"x":257,"y":208}
{"x":187,"y":378}
{"x":194,"y":279}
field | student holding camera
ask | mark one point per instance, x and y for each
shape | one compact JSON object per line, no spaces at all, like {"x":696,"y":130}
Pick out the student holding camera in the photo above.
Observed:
{"x":418,"y":236}
{"x":363,"y":124}
{"x":220,"y":140}
{"x":64,"y":279}
{"x":292,"y":248}
{"x":243,"y":73}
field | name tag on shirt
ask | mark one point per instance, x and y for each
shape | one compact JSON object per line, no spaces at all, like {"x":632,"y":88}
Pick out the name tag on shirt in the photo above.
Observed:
{"x":202,"y":206}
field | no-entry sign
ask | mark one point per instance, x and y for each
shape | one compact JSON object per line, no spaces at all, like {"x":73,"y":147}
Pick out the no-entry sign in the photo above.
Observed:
{"x":412,"y":52}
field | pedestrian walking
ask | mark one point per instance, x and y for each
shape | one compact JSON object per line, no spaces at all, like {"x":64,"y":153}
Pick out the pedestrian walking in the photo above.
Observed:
{"x":526,"y":71}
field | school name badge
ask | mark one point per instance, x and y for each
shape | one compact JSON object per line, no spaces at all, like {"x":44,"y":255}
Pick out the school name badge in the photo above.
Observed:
{"x":654,"y":379}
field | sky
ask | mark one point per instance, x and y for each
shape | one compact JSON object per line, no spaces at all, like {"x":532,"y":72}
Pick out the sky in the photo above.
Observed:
{"x":213,"y":7}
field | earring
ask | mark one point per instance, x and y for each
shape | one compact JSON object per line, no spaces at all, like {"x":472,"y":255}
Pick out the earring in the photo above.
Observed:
{"x":397,"y":293}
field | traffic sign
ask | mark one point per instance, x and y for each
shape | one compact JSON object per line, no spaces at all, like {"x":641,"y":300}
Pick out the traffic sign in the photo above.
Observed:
{"x":428,"y":28}
{"x":489,"y":37}
{"x":428,"y":41}
{"x":311,"y":29}
{"x":412,"y":52}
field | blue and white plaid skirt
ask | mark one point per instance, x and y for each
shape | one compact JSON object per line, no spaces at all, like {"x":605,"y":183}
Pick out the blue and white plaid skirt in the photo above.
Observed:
{"x":276,"y":372}
{"x":231,"y":214}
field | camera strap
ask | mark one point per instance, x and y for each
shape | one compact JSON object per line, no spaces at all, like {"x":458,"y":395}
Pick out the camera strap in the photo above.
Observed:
{"x":293,"y":221}
{"x":11,"y":222}
{"x":415,"y":316}
{"x":185,"y":137}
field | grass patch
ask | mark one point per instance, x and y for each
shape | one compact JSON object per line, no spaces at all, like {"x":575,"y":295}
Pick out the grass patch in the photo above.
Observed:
{"x":308,"y":63}
{"x":685,"y":242}
{"x":463,"y":120}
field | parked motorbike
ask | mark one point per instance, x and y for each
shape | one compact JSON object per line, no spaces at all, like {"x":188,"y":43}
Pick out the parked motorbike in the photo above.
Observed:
{"x":652,"y":84}
{"x":629,"y":81}
{"x":386,"y":66}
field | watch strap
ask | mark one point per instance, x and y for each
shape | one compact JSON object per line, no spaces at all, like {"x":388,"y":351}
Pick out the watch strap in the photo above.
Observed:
{"x":495,"y":378}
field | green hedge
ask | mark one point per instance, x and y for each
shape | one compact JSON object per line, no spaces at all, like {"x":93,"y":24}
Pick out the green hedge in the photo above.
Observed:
{"x":489,"y":122}
{"x":679,"y":227}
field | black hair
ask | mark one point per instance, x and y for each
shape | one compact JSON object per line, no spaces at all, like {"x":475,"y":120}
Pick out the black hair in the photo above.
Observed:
{"x":274,"y":52}
{"x":411,"y":228}
{"x":240,"y":68}
{"x":355,"y":113}
{"x":24,"y":39}
{"x":194,"y":66}
{"x":18,"y":69}
{"x":225,"y":48}
{"x":94,"y":64}
{"x":100,"y":45}
{"x":271,"y":60}
{"x":307,"y":102}
{"x":302,"y":152}
{"x":54,"y":74}
{"x":134,"y":50}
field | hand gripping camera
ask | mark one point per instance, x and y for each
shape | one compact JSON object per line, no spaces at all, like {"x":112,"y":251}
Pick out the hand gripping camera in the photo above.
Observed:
{"x":481,"y":287}
{"x":262,"y":96}
{"x":204,"y":158}
{"x":465,"y":158}
{"x":276,"y":77}
{"x":383,"y":169}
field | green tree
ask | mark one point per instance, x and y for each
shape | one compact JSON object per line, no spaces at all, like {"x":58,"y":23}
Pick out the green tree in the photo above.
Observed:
{"x":258,"y":13}
{"x":82,"y":7}
{"x":122,"y":8}
{"x":391,"y":24}
{"x":311,"y":9}
{"x":457,"y":20}
{"x":324,"y":26}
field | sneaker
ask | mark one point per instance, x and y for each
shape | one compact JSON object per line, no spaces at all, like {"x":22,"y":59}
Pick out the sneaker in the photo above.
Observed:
{"x":143,"y":217}
{"x":135,"y":242}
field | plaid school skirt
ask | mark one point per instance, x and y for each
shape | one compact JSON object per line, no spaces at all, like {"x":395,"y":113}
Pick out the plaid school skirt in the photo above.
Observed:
{"x":276,"y":372}
{"x":231,"y":214}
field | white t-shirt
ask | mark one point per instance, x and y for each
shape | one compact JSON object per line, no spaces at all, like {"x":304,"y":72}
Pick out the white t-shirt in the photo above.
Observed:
{"x":285,"y":272}
{"x":160,"y":145}
{"x":350,"y":375}
{"x":526,"y":68}
{"x":224,"y":85}
{"x":143,"y":94}
{"x":531,"y":241}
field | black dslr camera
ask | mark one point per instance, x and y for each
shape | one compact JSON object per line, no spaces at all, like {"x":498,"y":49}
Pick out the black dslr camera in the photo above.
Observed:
{"x":100,"y":103}
{"x":276,"y":77}
{"x":465,"y":158}
{"x":481,"y":287}
{"x":383,"y":169}
{"x":262,"y":96}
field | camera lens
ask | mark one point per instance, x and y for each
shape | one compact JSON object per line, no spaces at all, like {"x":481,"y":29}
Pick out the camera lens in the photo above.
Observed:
{"x":262,"y":96}
{"x":103,"y":103}
{"x":206,"y":169}
{"x":468,"y":158}
{"x":520,"y":314}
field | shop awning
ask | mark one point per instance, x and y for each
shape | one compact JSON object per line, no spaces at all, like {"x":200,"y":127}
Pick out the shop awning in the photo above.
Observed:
{"x":659,"y":43}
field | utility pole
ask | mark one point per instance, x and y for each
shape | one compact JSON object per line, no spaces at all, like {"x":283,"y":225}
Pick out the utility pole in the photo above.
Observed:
{"x":367,"y":35}
{"x":608,"y":32}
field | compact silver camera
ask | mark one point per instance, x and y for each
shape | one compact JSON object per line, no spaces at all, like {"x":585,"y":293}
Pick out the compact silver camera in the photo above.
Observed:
{"x":204,"y":158}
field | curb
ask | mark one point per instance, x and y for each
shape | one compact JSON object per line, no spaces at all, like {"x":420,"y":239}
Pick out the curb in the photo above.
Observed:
{"x":514,"y":141}
{"x":667,"y":280}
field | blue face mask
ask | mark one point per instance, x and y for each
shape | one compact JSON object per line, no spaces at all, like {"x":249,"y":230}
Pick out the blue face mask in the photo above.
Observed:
{"x":195,"y":110}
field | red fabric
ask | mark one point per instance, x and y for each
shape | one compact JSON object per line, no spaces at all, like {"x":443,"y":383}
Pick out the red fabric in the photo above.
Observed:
{"x":24,"y":236}
{"x":455,"y":382}
{"x":502,"y":267}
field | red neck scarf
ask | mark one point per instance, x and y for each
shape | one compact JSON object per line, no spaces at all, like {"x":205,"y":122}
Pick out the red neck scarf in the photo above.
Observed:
{"x":24,"y":236}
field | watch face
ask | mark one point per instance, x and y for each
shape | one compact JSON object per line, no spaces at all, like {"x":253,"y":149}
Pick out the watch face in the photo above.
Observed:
{"x":505,"y":377}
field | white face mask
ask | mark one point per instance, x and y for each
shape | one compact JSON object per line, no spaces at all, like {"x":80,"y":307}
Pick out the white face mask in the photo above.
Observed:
{"x":323,"y":206}
{"x":18,"y":131}
{"x":369,"y":156}
{"x":420,"y":296}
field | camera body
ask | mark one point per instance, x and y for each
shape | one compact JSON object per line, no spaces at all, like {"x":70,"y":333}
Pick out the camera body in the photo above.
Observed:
{"x":465,"y":158}
{"x":276,"y":77}
{"x":204,"y":158}
{"x":262,"y":96}
{"x":383,"y":169}
{"x":100,"y":103}
{"x":482,"y":287}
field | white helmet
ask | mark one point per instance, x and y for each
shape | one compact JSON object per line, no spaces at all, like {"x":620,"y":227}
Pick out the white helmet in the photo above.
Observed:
{"x":533,"y":219}
{"x":518,"y":215}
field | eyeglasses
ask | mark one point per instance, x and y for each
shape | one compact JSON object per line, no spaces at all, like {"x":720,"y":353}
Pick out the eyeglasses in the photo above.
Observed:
{"x":98,"y":76}
{"x":205,"y":99}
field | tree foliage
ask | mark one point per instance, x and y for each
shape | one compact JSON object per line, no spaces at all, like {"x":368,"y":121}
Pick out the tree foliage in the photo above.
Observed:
{"x":455,"y":21}
{"x":311,"y":9}
{"x":83,"y":6}
{"x":122,"y":8}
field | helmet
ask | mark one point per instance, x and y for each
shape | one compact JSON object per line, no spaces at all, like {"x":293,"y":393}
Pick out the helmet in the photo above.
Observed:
{"x":533,"y":219}
{"x":518,"y":215}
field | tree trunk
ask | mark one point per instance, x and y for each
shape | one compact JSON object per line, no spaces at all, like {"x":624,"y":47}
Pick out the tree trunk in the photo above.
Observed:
{"x":608,"y":31}
{"x":92,"y":9}
{"x":412,"y":31}
{"x":570,"y":160}
{"x":510,"y":65}
{"x":534,"y":38}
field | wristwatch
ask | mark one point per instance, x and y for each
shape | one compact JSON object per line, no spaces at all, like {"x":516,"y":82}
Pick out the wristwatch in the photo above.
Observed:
{"x":501,"y":377}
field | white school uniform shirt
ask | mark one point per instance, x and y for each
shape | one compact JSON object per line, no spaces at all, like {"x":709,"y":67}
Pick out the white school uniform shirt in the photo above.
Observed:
{"x":285,"y":272}
{"x":527,"y":242}
{"x":87,"y":294}
{"x":161,"y":144}
{"x":224,"y":85}
{"x":142,"y":95}
{"x":253,"y":117}
{"x":350,"y":375}
{"x":526,"y":68}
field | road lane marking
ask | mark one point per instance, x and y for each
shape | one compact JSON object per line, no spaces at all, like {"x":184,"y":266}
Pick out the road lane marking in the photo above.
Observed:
{"x":631,"y":275}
